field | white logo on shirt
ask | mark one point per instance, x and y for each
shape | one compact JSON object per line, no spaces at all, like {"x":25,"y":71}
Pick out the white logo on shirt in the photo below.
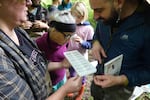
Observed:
{"x":124,"y":37}
{"x":33,"y":56}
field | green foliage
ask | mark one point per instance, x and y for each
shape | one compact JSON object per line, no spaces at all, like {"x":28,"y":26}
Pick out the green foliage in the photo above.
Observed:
{"x":45,"y":4}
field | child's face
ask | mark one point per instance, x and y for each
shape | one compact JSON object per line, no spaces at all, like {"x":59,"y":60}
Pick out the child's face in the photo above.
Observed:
{"x":78,"y":17}
{"x":60,"y":37}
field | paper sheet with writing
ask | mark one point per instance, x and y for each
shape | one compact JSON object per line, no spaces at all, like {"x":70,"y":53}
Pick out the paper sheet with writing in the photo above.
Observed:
{"x":113,"y":66}
{"x":81,"y":65}
{"x":141,"y":93}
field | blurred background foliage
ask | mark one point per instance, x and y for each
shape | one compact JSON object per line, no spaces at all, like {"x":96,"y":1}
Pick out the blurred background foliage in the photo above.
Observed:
{"x":45,"y":3}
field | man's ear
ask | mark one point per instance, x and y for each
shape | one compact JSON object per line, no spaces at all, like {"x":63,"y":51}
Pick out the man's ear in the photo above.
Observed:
{"x":119,"y":3}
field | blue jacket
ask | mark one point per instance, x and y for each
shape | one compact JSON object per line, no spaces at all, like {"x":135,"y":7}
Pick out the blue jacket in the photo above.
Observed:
{"x":132,"y":39}
{"x":65,"y":6}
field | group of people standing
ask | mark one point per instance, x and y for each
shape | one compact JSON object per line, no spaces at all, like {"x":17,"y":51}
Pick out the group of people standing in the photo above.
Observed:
{"x":36,"y":70}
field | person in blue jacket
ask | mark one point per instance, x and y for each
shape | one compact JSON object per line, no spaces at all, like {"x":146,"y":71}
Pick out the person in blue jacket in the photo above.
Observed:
{"x":66,"y":4}
{"x":123,"y":28}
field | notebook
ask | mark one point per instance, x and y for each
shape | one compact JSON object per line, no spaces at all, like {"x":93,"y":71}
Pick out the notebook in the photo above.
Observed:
{"x":81,"y":65}
{"x":113,"y":66}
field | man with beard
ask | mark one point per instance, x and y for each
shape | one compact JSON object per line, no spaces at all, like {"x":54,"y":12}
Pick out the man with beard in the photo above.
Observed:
{"x":123,"y":28}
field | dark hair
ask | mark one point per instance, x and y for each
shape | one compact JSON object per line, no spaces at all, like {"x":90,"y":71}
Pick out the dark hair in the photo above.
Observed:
{"x":63,"y":27}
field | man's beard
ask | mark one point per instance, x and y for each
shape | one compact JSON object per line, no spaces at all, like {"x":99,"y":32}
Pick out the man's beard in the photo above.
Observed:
{"x":112,"y":20}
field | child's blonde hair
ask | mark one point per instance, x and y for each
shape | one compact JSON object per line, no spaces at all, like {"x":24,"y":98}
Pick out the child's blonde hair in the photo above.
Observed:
{"x":80,"y":8}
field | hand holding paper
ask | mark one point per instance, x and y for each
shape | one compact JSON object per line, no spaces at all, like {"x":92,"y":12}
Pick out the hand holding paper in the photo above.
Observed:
{"x":113,"y":66}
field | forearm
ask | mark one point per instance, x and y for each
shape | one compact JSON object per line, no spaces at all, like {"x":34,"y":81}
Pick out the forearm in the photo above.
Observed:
{"x":123,"y":80}
{"x":57,"y":65}
{"x":59,"y":94}
{"x":95,"y":41}
{"x":54,"y":65}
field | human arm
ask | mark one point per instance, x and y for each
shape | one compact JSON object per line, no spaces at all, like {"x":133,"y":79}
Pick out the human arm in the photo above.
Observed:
{"x":84,"y":44}
{"x":26,"y":24}
{"x":72,"y":85}
{"x":86,"y":36}
{"x":40,"y":24}
{"x":135,"y":69}
{"x":135,"y":65}
{"x":57,"y":65}
{"x":106,"y":81}
{"x":97,"y":51}
{"x":140,"y":75}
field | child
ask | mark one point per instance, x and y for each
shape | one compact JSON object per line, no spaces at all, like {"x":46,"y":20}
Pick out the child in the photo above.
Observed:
{"x":54,"y":6}
{"x":84,"y":33}
{"x":65,"y":5}
{"x":53,"y":44}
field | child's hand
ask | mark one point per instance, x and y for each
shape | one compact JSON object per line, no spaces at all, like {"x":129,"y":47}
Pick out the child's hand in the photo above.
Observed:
{"x":77,"y":38}
{"x":73,"y":84}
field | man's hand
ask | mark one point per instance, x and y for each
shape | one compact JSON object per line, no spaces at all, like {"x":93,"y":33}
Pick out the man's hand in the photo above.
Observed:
{"x":97,"y":51}
{"x":109,"y":80}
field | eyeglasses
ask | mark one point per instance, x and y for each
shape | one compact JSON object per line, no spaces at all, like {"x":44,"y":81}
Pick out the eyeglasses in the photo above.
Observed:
{"x":66,"y":36}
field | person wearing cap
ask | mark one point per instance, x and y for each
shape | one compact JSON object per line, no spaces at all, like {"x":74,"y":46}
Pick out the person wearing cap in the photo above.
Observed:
{"x":54,"y":43}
